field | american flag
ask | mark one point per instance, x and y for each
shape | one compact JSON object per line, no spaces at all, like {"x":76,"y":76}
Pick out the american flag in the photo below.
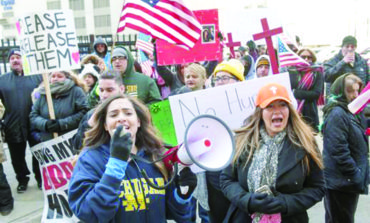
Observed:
{"x":144,"y":43}
{"x":287,"y":57}
{"x":145,"y":63}
{"x":168,"y":20}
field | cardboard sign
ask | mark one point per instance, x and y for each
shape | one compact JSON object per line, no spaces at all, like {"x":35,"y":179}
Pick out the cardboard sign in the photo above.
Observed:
{"x":162,"y":120}
{"x":207,"y":48}
{"x":55,"y":157}
{"x":232,"y":103}
{"x":48,"y":41}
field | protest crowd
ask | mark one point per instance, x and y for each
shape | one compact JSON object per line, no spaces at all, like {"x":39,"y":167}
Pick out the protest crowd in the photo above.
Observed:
{"x":114,"y":161}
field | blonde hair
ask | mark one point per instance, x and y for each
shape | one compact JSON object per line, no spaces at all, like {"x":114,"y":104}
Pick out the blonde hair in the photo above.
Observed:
{"x":196,"y":69}
{"x":299,"y":133}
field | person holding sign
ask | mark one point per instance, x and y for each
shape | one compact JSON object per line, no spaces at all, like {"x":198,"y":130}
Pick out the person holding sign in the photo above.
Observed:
{"x":69,"y":101}
{"x":276,"y":173}
{"x":108,"y":184}
{"x":15,"y":93}
{"x":346,"y":151}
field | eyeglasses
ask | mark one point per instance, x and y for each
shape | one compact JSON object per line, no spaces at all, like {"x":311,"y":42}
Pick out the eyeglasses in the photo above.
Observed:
{"x":306,"y":57}
{"x":224,"y":78}
{"x":118,"y":58}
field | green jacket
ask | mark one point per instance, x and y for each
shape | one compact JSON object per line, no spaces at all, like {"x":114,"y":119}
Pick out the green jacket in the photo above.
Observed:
{"x":139,"y":85}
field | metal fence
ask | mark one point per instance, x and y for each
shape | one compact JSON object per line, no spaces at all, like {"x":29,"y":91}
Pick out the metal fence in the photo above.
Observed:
{"x":85,"y":45}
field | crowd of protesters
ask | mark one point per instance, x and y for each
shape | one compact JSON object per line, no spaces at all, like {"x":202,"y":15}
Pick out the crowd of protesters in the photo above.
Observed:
{"x":276,"y":175}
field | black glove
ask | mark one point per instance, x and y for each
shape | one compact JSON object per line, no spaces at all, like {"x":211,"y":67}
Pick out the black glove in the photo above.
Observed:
{"x":120,"y":145}
{"x":186,"y":178}
{"x":263,"y":203}
{"x":52,"y":126}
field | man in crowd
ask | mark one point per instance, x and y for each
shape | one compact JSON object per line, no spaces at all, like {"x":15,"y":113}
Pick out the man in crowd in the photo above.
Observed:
{"x":136,"y":84}
{"x":15,"y":93}
{"x":110,"y":83}
{"x":101,"y":49}
{"x":263,"y":67}
{"x":346,"y":61}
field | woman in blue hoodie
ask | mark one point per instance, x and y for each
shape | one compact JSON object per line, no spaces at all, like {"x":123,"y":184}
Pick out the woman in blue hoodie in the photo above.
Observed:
{"x":108,"y":184}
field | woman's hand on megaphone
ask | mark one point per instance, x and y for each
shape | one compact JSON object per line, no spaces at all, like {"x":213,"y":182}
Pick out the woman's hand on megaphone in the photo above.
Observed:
{"x":121,"y":144}
{"x":186,"y":178}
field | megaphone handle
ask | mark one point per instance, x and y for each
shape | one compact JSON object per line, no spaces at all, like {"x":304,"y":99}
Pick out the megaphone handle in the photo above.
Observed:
{"x":150,"y":183}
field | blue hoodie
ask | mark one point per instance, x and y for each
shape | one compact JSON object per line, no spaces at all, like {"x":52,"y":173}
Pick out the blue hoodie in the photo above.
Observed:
{"x":95,"y":196}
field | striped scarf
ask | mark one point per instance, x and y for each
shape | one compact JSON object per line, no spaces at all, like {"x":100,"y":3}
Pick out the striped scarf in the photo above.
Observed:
{"x":307,"y":81}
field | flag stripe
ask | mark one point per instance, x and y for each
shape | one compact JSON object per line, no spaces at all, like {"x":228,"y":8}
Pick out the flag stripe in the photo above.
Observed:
{"x":169,"y":20}
{"x":173,"y":20}
{"x":287,"y":57}
{"x":160,"y":26}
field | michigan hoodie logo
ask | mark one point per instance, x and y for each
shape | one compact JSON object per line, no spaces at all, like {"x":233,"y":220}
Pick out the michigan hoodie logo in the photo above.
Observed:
{"x":135,"y":193}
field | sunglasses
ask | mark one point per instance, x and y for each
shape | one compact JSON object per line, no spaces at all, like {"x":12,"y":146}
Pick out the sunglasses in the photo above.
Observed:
{"x":306,"y":57}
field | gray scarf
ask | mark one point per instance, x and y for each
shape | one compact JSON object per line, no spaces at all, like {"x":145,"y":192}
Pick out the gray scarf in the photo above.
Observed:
{"x":263,"y":169}
{"x":59,"y":88}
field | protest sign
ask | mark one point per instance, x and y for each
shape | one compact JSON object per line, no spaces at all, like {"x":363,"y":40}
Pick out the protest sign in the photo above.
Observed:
{"x":162,"y":120}
{"x":232,"y":103}
{"x":55,"y":157}
{"x":48,"y":41}
{"x":207,"y":48}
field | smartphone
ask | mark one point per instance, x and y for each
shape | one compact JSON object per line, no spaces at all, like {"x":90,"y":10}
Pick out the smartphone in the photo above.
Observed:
{"x":264,"y":190}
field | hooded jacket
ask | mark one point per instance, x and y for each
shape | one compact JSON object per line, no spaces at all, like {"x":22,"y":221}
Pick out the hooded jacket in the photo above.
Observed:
{"x":346,"y":150}
{"x":15,"y":93}
{"x":257,"y":61}
{"x":95,"y":196}
{"x":105,"y":55}
{"x":139,"y":85}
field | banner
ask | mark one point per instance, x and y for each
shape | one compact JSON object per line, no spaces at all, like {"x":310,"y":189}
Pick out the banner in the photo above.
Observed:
{"x":55,"y":157}
{"x":232,"y":103}
{"x":48,"y":41}
{"x":207,"y":48}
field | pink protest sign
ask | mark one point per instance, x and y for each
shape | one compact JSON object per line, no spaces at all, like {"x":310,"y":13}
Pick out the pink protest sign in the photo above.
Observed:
{"x":206,"y":49}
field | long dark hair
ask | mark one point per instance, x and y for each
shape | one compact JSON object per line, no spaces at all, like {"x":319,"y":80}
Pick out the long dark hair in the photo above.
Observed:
{"x":146,"y":137}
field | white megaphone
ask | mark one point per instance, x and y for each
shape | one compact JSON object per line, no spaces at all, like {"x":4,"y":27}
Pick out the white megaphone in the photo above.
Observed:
{"x":208,"y":145}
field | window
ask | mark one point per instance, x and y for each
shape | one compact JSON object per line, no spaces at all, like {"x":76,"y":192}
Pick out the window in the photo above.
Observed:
{"x":100,"y":3}
{"x":8,"y":27}
{"x":53,"y":5}
{"x":76,"y":4}
{"x":102,"y":20}
{"x":80,"y":22}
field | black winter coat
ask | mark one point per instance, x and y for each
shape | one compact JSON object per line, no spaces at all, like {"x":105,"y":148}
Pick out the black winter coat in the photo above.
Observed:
{"x":299,"y":189}
{"x":15,"y":93}
{"x":69,"y":108}
{"x":346,"y":152}
{"x":309,"y":110}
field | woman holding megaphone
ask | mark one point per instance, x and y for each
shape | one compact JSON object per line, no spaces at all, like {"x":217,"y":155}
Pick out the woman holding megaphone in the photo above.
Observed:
{"x":276,"y":174}
{"x":107,"y":184}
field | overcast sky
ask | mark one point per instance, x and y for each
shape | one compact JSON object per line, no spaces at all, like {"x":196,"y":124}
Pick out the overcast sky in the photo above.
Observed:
{"x":315,"y":21}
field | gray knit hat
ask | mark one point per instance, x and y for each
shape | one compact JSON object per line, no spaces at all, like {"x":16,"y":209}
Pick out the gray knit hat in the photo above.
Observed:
{"x":119,"y":52}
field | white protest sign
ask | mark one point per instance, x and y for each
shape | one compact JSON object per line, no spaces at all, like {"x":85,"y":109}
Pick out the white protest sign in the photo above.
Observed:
{"x":232,"y":103}
{"x":48,"y":41}
{"x":55,"y":157}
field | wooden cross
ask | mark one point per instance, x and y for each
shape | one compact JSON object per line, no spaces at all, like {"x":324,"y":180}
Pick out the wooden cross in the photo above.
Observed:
{"x":231,"y":44}
{"x":266,"y":34}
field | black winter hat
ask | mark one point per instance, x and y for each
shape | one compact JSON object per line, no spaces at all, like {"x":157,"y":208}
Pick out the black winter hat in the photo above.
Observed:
{"x":14,"y":51}
{"x":349,"y":40}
